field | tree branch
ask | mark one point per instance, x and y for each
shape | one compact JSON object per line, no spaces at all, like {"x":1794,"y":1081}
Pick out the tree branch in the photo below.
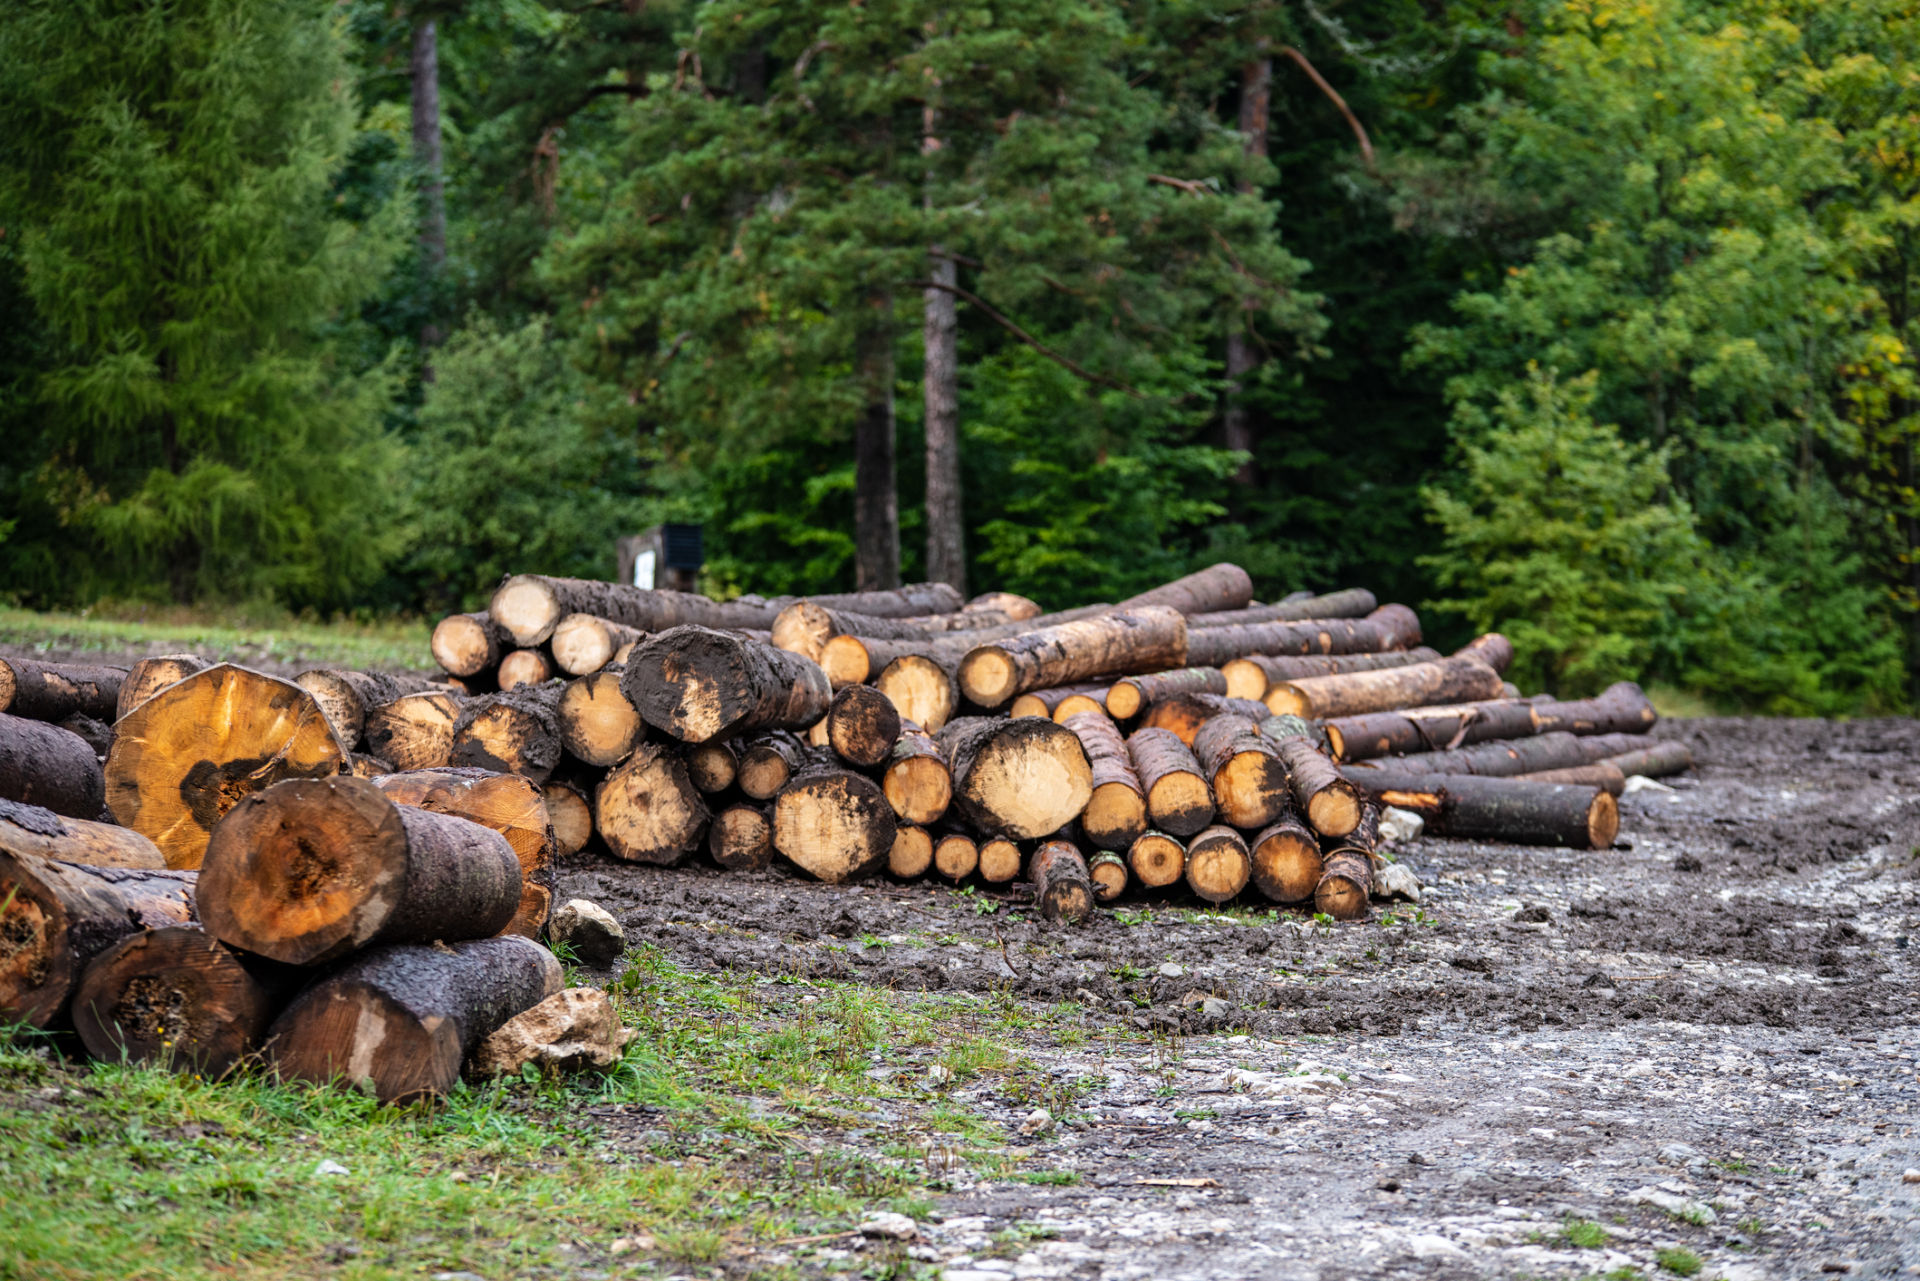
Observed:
{"x":1359,"y":130}
{"x":1086,"y":375}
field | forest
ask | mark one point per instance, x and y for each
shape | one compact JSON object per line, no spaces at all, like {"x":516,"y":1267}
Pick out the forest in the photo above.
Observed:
{"x":1588,"y":321}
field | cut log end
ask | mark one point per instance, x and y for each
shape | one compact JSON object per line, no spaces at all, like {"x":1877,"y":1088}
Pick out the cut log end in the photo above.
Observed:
{"x":526,"y":607}
{"x":713,"y":767}
{"x":988,"y":677}
{"x":597,"y":723}
{"x":1218,"y":864}
{"x":1157,"y":860}
{"x":1062,"y":887}
{"x":571,"y":816}
{"x":468,"y":644}
{"x":1346,"y":883}
{"x":912,"y":852}
{"x":1286,"y":862}
{"x":648,"y":810}
{"x":741,"y":839}
{"x":172,"y":996}
{"x":1108,"y":872}
{"x":834,"y":824}
{"x":955,"y":856}
{"x":999,"y":860}
{"x":862,"y":725}
{"x":524,"y":667}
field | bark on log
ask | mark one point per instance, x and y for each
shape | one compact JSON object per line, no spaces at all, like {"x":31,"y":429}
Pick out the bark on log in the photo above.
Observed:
{"x":505,"y":803}
{"x":714,"y":766}
{"x":1116,"y":813}
{"x":1331,"y":804}
{"x":862,"y":726}
{"x":403,"y":1019}
{"x":571,"y":815}
{"x":1429,"y":729}
{"x":1206,"y":591}
{"x":186,"y":756}
{"x":1061,"y":702}
{"x":311,"y":870}
{"x":956,"y":855}
{"x":1353,"y":602}
{"x":346,"y":697}
{"x":1145,"y":639}
{"x":768,"y":763}
{"x":525,"y":667}
{"x":1346,"y":886}
{"x":1184,"y":714}
{"x":999,"y":860}
{"x":414,"y":731}
{"x":583,"y":643}
{"x":1249,"y":780}
{"x":1021,"y":778}
{"x":1622,"y":708}
{"x":1499,"y":809}
{"x":1507,"y":757}
{"x":55,"y":917}
{"x":1218,"y":864}
{"x":1400,"y":622}
{"x":516,"y":731}
{"x":50,"y":767}
{"x":1493,"y":649}
{"x":1061,"y":885}
{"x":648,"y":810}
{"x":921,"y":690}
{"x":597,"y":723}
{"x":1178,"y":798}
{"x":180,"y":998}
{"x":917,"y":783}
{"x":97,"y":734}
{"x":1447,"y":680}
{"x":1126,"y":697}
{"x":1157,"y":860}
{"x":833,"y":823}
{"x":912,"y":601}
{"x":40,"y":833}
{"x":696,"y":683}
{"x":1214,"y":646}
{"x":1286,"y":861}
{"x":741,"y":839}
{"x":151,"y":675}
{"x":55,"y":691}
{"x":1254,"y":675}
{"x":1601,"y":774}
{"x":805,"y":627}
{"x":850,"y":660}
{"x":467,"y":645}
{"x":1655,"y":760}
{"x":1108,"y":872}
{"x":911,"y":853}
{"x":530,"y":606}
{"x":1016,"y":608}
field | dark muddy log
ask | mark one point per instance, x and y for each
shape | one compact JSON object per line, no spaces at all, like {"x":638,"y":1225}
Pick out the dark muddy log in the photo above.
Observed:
{"x":741,"y":838}
{"x":1184,"y":714}
{"x":768,"y":762}
{"x":414,"y":731}
{"x":1157,"y":860}
{"x":55,"y":917}
{"x":179,"y":998}
{"x":911,"y":853}
{"x":921,"y":690}
{"x":648,"y":810}
{"x":1062,"y":888}
{"x":1126,"y":697}
{"x":97,"y":734}
{"x":917,"y":783}
{"x":1286,"y":861}
{"x":583,"y":644}
{"x":1493,"y":649}
{"x":505,"y":803}
{"x":1354,"y":602}
{"x":1447,"y":680}
{"x":467,"y":645}
{"x":193,"y":751}
{"x":1429,"y":729}
{"x":151,"y":675}
{"x":1346,"y":885}
{"x":516,"y":731}
{"x":1207,"y":591}
{"x":40,"y":833}
{"x":311,"y":870}
{"x":1507,"y":758}
{"x":1623,"y":708}
{"x":1655,"y":760}
{"x":1498,"y":809}
{"x":1254,"y":675}
{"x":862,"y":726}
{"x":525,"y":667}
{"x":714,"y":766}
{"x":50,"y":767}
{"x":531,"y":606}
{"x":1116,"y":813}
{"x":1178,"y":798}
{"x":1248,"y":778}
{"x":403,"y":1019}
{"x":346,"y":697}
{"x":1022,"y":778}
{"x":1126,"y":641}
{"x":1218,"y":864}
{"x":1331,"y":804}
{"x":1108,"y":872}
{"x":1601,"y":774}
{"x":999,"y":860}
{"x":1060,"y":703}
{"x":597,"y":723}
{"x":955,"y":855}
{"x":570,"y":813}
{"x":696,"y":684}
{"x":833,"y":823}
{"x":1214,"y":646}
{"x":55,"y":691}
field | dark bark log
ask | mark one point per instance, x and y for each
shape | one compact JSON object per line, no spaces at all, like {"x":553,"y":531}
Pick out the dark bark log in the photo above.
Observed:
{"x":862,"y":726}
{"x":505,"y":803}
{"x":98,"y":734}
{"x":1254,"y":675}
{"x":768,"y":762}
{"x":832,"y":822}
{"x":1287,"y":861}
{"x":468,"y":645}
{"x":583,"y":643}
{"x":1218,"y":864}
{"x":1623,"y":708}
{"x":50,"y":767}
{"x":1655,"y":760}
{"x":1022,"y":778}
{"x":1346,"y":885}
{"x":405,"y":1018}
{"x":946,"y":526}
{"x":598,"y":725}
{"x":1178,"y":798}
{"x":55,"y":691}
{"x":1214,"y":646}
{"x":346,"y":696}
{"x":1061,"y":702}
{"x":876,"y":502}
{"x":999,"y":860}
{"x":1062,"y":889}
{"x":151,"y":675}
{"x":414,"y":731}
{"x":1249,"y":781}
{"x":741,"y":839}
{"x":1157,"y":860}
{"x":516,"y":731}
{"x":648,"y":810}
{"x":1144,"y":639}
{"x":524,"y":667}
{"x":1354,"y":602}
{"x":571,"y":814}
{"x":1331,"y":804}
{"x":1108,"y":872}
{"x":1600,"y":774}
{"x":917,"y":783}
{"x":1126,"y":697}
{"x":55,"y":917}
{"x":1508,"y":757}
{"x":180,"y":998}
{"x":956,"y":855}
{"x":1498,"y":809}
{"x":530,"y":606}
{"x":1493,"y":649}
{"x":714,"y":766}
{"x":40,"y":833}
{"x":1448,"y":680}
{"x":1429,"y":729}
{"x":921,"y":690}
{"x":1206,"y":591}
{"x":696,"y":684}
{"x":1184,"y":714}
{"x":1116,"y":813}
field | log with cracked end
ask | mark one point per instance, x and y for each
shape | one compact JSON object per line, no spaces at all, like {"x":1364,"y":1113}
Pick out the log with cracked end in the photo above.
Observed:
{"x":697,"y":684}
{"x":1157,"y":860}
{"x":1249,"y":780}
{"x":862,"y":725}
{"x":1116,"y":813}
{"x":648,"y":810}
{"x":468,"y":645}
{"x":1125,"y":641}
{"x":414,"y":731}
{"x":921,"y":689}
{"x":54,"y":691}
{"x":1286,"y":861}
{"x":832,"y":822}
{"x":516,"y":731}
{"x":583,"y":643}
{"x":1125,"y":698}
{"x":741,"y":838}
{"x":508,"y":804}
{"x":56,"y":917}
{"x":1062,"y":887}
{"x":597,"y":724}
{"x":917,"y":782}
{"x":178,"y":997}
{"x":50,"y":767}
{"x":1022,"y":778}
{"x":1178,"y":798}
{"x":1218,"y":864}
{"x":151,"y":675}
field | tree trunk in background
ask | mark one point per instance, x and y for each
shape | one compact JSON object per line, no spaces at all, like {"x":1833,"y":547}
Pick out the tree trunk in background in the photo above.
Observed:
{"x":1256,"y":94}
{"x":876,"y":504}
{"x":426,"y":145}
{"x":946,"y":526}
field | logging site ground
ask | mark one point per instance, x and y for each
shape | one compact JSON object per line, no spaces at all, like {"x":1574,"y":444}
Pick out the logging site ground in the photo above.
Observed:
{"x":1691,"y":1054}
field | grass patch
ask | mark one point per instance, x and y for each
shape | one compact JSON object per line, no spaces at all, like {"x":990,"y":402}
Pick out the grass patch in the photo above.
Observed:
{"x":1584,"y":1234}
{"x":1681,"y":1262}
{"x":259,"y":636}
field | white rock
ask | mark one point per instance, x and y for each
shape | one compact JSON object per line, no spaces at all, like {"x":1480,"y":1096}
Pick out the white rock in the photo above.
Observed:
{"x":1397,"y":881}
{"x":896,"y":1227}
{"x":1427,"y":1245}
{"x":1678,"y":1154}
{"x":567,"y":1032}
{"x":1037,"y":1121}
{"x":1171,"y":970}
{"x":1674,"y":1204}
{"x":590,"y":930}
{"x":1214,"y":1007}
{"x":329,"y":1167}
{"x":1400,"y":825}
{"x":939,"y":1074}
{"x":1911,"y":1176}
{"x":1641,"y":783}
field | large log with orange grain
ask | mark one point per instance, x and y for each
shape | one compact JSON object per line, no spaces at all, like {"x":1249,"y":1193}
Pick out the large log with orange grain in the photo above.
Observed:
{"x":862,"y":725}
{"x":509,"y":804}
{"x":1207,"y":591}
{"x":921,"y":689}
{"x":1214,"y":646}
{"x":1428,"y":729}
{"x":1254,"y":675}
{"x":1249,"y":780}
{"x":1116,"y":813}
{"x":1123,"y":642}
{"x":1061,"y":702}
{"x":54,"y":691}
{"x":832,"y":822}
{"x":1061,"y":887}
{"x":468,"y":645}
{"x":414,"y":731}
{"x":56,"y":917}
{"x":1022,"y":778}
{"x":40,"y":833}
{"x":1178,"y":798}
{"x":195,"y":749}
{"x":695,"y":683}
{"x":346,"y":696}
{"x":1287,"y":862}
{"x":583,"y":643}
{"x":178,"y":997}
{"x":1496,"y":809}
{"x":917,"y":783}
{"x":648,"y":810}
{"x":1353,"y":602}
{"x":50,"y":767}
{"x":597,"y":723}
{"x":1127,"y":696}
{"x":1446,"y":680}
{"x":516,"y":731}
{"x":400,"y":1021}
{"x":1622,"y":708}
{"x":1218,"y":864}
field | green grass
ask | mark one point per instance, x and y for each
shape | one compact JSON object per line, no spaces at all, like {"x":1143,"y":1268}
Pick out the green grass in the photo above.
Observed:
{"x":1584,"y":1234}
{"x":1681,"y":1262}
{"x":241,"y":635}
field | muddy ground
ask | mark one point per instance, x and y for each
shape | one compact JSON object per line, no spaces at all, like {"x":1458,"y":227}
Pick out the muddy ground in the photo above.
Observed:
{"x":1703,"y":1039}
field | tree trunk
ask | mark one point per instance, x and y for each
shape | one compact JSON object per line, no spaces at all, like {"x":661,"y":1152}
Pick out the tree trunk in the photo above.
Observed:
{"x":1126,"y":641}
{"x":768,"y":762}
{"x":832,"y":822}
{"x":1601,"y":774}
{"x":515,"y":732}
{"x":55,"y":917}
{"x":1499,"y":809}
{"x":1286,"y":861}
{"x":1427,"y":729}
{"x":862,"y":726}
{"x":1353,"y":602}
{"x":1108,"y":872}
{"x":426,"y":149}
{"x":1655,"y":760}
{"x":571,"y":815}
{"x":414,"y":731}
{"x":1126,"y":697}
{"x":505,"y":803}
{"x":598,"y":725}
{"x":946,"y":521}
{"x":180,"y":998}
{"x":1446,"y":680}
{"x":1178,"y":798}
{"x":1493,"y":649}
{"x":1157,"y":860}
{"x":1185,"y":714}
{"x":1623,"y":708}
{"x":714,"y":766}
{"x":345,"y":696}
{"x":876,"y":502}
{"x":1331,"y":804}
{"x":956,"y":855}
{"x":741,"y":839}
{"x":648,"y":810}
{"x":917,"y":783}
{"x":999,"y":860}
{"x":405,"y":1018}
{"x":1062,"y":888}
{"x":468,"y":645}
{"x":1022,"y":778}
{"x":582,"y":643}
{"x":911,"y":853}
{"x":1254,"y":675}
{"x":1218,"y":864}
{"x":530,"y":607}
{"x":1256,"y":92}
{"x":525,"y":667}
{"x":1116,"y":813}
{"x":1249,"y":781}
{"x":55,"y":691}
{"x":151,"y":675}
{"x":695,"y":684}
{"x":1205,"y":591}
{"x":51,"y":767}
{"x":1214,"y":646}
{"x":1062,"y":702}
{"x":41,"y":833}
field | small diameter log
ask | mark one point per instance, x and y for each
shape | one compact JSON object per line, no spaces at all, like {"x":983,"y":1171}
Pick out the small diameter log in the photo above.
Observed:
{"x":714,"y":766}
{"x":917,"y":783}
{"x":516,"y":731}
{"x":768,"y":762}
{"x":1157,"y":860}
{"x":1061,"y":702}
{"x":911,"y":853}
{"x":1499,"y":809}
{"x":186,"y":756}
{"x":1206,"y":591}
{"x":1447,"y":680}
{"x":151,"y":675}
{"x":1600,"y":774}
{"x":1116,"y":813}
{"x":922,"y":690}
{"x":55,"y":917}
{"x":741,"y":838}
{"x":1623,"y":708}
{"x":583,"y":644}
{"x":403,"y":1019}
{"x":1331,"y":804}
{"x":815,"y":735}
{"x":55,"y":691}
{"x":414,"y":731}
{"x":697,"y":684}
{"x":912,"y":601}
{"x":1428,"y":729}
{"x":41,"y":833}
{"x":1401,"y":623}
{"x":1248,"y":778}
{"x":1184,"y":714}
{"x":597,"y":723}
{"x":525,"y":667}
{"x":469,"y":644}
{"x":1062,"y":887}
{"x":1346,"y":885}
{"x":1287,"y":861}
{"x":1017,"y":608}
{"x":1218,"y":864}
{"x":1125,"y":698}
{"x":1493,"y":649}
{"x":362,"y":765}
{"x":1655,"y":760}
{"x":505,"y":803}
{"x":955,"y":855}
{"x":862,"y":725}
{"x":178,"y":997}
{"x":648,"y":810}
{"x":999,"y":860}
{"x":50,"y":767}
{"x":346,"y":696}
{"x":1214,"y":646}
{"x":1023,"y":778}
{"x":1144,"y":639}
{"x":1254,"y":675}
{"x":832,"y":822}
{"x":1178,"y":798}
{"x":571,"y":814}
{"x":1108,"y":872}
{"x":530,"y":607}
{"x":1354,"y":602}
{"x":806,"y":626}
{"x":1507,"y":757}
{"x":311,"y":870}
